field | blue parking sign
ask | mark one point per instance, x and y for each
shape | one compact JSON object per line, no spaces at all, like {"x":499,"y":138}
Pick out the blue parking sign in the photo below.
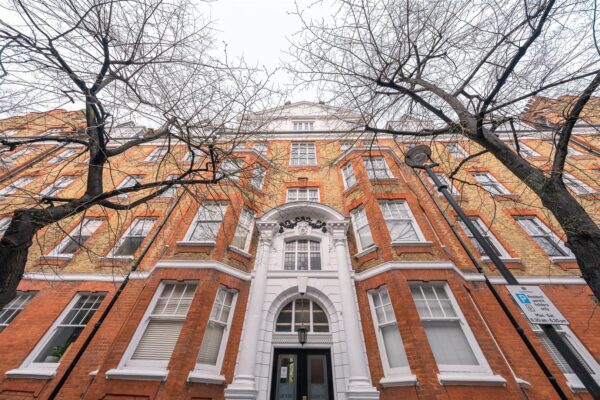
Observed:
{"x":523,"y":298}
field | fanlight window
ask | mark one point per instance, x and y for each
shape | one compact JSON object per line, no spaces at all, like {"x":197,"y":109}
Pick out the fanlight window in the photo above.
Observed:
{"x":302,"y":255}
{"x":302,"y":313}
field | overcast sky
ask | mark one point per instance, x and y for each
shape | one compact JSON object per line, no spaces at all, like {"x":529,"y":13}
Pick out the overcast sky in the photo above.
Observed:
{"x":259,"y":30}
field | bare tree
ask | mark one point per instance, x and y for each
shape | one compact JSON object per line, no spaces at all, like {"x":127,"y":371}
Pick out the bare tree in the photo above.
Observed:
{"x":121,"y":60}
{"x":463,"y":68}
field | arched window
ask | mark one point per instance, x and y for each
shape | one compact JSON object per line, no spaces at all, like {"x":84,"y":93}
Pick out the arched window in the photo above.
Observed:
{"x":302,"y":255}
{"x":302,"y":312}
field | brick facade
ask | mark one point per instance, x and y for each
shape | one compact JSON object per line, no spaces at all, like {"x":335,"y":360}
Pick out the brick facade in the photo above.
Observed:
{"x":166,"y":256}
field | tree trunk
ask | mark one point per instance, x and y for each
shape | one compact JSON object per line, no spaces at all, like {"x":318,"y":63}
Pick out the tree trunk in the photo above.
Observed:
{"x":583,"y":234}
{"x":14,"y":248}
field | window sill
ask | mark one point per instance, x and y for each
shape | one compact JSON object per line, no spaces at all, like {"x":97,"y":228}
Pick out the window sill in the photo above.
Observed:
{"x":505,"y":259}
{"x":191,"y":244}
{"x":562,"y":259}
{"x":365,"y":252}
{"x":205,"y":377}
{"x":396,"y":381}
{"x":138,"y":374}
{"x":116,"y":258}
{"x":59,"y":257}
{"x":423,"y":244}
{"x":32,"y":373}
{"x":240,"y":252}
{"x":471,"y":379}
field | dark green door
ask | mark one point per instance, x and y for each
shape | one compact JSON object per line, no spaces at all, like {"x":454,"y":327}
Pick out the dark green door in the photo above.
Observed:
{"x":301,"y":375}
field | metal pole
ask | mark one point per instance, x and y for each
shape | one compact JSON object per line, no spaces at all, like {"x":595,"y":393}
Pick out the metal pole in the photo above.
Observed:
{"x":555,"y":337}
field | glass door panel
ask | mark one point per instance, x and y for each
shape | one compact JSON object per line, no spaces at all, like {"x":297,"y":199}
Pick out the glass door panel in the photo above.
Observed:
{"x":287,"y":370}
{"x":317,"y":384}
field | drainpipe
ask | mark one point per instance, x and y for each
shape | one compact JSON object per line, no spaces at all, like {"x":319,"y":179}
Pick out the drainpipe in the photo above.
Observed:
{"x":114,"y":299}
{"x":551,"y":378}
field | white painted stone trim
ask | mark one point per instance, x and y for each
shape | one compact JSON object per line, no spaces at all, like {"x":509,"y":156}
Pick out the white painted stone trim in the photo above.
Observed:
{"x":394,"y":381}
{"x":203,"y":264}
{"x":138,"y":374}
{"x":42,"y":276}
{"x":203,"y":377}
{"x":471,"y":380}
{"x":31,"y":373}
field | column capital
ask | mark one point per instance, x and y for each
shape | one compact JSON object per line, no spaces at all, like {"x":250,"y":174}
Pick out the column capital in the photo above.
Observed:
{"x":266,"y":231}
{"x":338,"y":230}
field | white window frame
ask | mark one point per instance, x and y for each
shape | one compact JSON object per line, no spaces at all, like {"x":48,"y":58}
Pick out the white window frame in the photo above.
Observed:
{"x":456,"y":150}
{"x":345,"y":146}
{"x":576,"y":186}
{"x":75,"y":232}
{"x":231,"y":168}
{"x":483,"y":367}
{"x":491,"y":182}
{"x":17,"y":184}
{"x":14,"y":307}
{"x":378,"y":325}
{"x":548,"y":234}
{"x":359,"y":214}
{"x":261,"y":148}
{"x":197,"y":155}
{"x":249,"y":228}
{"x":216,"y":369}
{"x":525,"y":150}
{"x":573,"y":152}
{"x":52,"y":131}
{"x":223,"y":211}
{"x":446,"y":181}
{"x":486,"y":233}
{"x":126,"y":361}
{"x":308,"y":252}
{"x":125,"y":234}
{"x":129,"y":181}
{"x":62,"y":156}
{"x":411,"y":219}
{"x":171,"y":191}
{"x":157,"y":154}
{"x":311,"y":320}
{"x":306,"y":160}
{"x":259,"y":174}
{"x":49,"y":369}
{"x":297,"y":190}
{"x":563,"y":330}
{"x":9,"y":159}
{"x":61,"y":183}
{"x":348,"y":175}
{"x":10,"y":132}
{"x":303,"y":125}
{"x":373,"y":173}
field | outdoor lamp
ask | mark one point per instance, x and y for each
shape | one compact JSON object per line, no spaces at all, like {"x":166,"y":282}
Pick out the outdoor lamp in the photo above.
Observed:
{"x":302,"y":335}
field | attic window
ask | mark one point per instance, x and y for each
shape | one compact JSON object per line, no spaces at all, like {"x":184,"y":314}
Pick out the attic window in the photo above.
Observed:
{"x":303,"y":125}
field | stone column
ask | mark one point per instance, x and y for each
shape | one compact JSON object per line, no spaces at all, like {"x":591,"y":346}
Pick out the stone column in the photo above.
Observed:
{"x":244,"y":385}
{"x":359,"y":383}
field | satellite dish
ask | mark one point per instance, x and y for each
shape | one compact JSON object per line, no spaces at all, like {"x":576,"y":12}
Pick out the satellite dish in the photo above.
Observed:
{"x":418,"y":156}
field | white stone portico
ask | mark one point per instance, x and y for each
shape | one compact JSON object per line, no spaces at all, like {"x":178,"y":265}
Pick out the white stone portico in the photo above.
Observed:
{"x":273,"y":287}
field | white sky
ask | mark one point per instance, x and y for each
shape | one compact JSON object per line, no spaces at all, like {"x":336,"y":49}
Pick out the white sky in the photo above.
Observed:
{"x":259,"y":31}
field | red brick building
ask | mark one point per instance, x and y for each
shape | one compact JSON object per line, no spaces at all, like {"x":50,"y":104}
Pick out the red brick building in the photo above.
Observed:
{"x":322,"y":233}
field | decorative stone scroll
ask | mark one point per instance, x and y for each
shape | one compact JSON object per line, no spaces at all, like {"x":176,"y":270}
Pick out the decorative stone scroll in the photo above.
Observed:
{"x":318,"y":224}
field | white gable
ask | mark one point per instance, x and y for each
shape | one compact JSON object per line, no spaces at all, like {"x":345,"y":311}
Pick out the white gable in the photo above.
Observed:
{"x":318,"y":117}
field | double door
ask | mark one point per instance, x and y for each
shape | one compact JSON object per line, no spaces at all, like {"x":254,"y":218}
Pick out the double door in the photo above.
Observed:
{"x":300,"y":374}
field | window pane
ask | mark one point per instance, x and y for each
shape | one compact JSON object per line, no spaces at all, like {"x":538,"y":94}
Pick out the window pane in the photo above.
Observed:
{"x":58,"y":344}
{"x":211,"y":344}
{"x":158,"y":340}
{"x":320,"y":323}
{"x":284,"y":320}
{"x":302,"y":314}
{"x":393,"y":346}
{"x":449,"y":343}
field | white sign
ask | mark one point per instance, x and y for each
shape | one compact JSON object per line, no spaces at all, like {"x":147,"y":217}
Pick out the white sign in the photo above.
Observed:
{"x":536,"y":306}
